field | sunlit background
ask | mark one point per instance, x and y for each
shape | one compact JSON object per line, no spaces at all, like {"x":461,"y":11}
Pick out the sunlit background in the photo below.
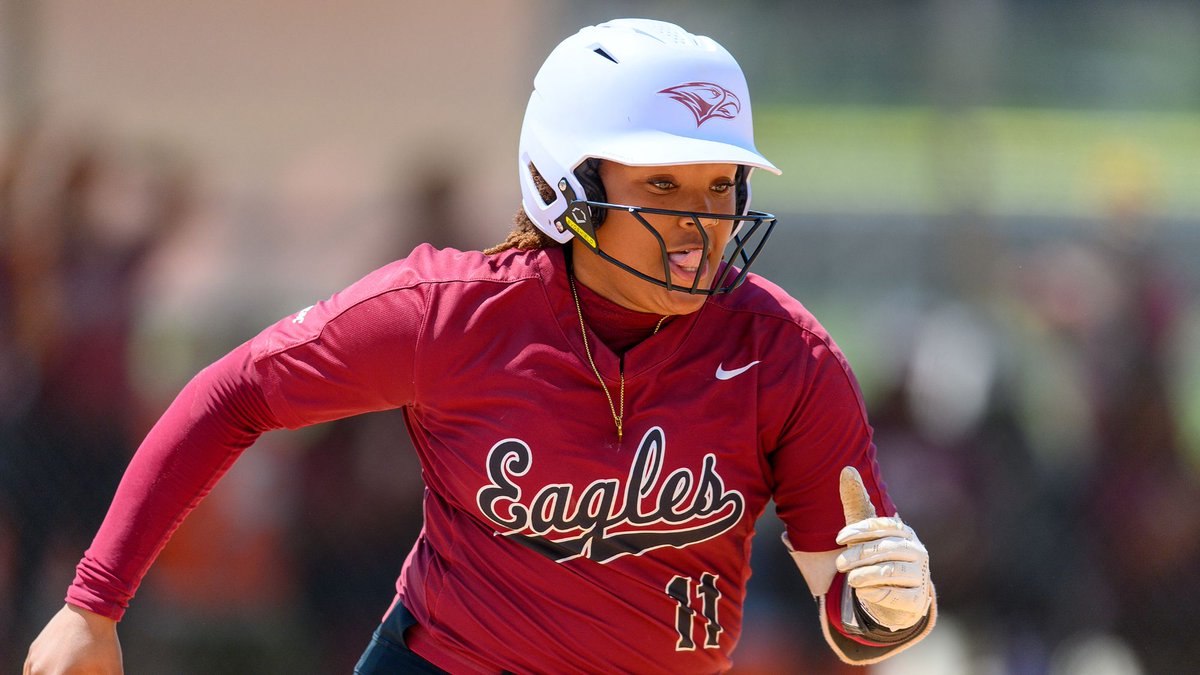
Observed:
{"x":993,"y":205}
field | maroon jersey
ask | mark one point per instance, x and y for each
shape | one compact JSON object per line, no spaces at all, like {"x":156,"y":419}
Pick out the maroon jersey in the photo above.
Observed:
{"x":548,"y":545}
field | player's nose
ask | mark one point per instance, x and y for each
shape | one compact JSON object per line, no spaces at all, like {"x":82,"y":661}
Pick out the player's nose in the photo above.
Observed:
{"x":693,"y":209}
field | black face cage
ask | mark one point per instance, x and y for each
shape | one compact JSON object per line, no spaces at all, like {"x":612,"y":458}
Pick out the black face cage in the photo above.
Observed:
{"x":750,"y":234}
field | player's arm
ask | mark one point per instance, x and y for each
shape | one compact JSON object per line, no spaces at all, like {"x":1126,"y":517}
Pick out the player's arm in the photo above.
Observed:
{"x":320,"y":364}
{"x":328,"y":361}
{"x":213,"y":419}
{"x":875,"y":596}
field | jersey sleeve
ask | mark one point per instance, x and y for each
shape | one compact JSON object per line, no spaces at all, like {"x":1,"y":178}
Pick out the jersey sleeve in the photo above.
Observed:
{"x":826,"y":429}
{"x":353,"y":353}
{"x":216,"y":416}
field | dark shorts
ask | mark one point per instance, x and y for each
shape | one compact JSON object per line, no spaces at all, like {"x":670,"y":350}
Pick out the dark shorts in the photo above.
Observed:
{"x":387,"y":653}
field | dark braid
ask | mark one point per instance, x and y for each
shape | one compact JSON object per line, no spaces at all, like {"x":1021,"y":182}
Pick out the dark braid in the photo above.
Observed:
{"x":524,"y":235}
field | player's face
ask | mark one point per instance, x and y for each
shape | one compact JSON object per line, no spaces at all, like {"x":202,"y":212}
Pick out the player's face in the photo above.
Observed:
{"x":697,"y":188}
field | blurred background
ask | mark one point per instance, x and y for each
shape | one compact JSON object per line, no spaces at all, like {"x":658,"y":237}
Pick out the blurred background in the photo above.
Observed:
{"x":993,"y":206}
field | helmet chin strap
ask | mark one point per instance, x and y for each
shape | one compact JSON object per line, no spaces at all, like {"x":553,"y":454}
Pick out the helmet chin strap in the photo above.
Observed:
{"x":578,"y":217}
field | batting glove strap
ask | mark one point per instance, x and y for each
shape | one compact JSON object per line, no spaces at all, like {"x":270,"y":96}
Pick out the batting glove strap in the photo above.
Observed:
{"x":855,"y":638}
{"x":857,"y":621}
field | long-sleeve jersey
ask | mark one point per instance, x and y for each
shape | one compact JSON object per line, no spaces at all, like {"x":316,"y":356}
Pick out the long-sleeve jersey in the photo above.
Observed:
{"x":547,"y":544}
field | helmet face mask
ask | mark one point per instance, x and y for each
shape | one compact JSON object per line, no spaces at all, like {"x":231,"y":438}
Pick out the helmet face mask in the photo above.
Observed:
{"x":639,"y":93}
{"x":750,"y":231}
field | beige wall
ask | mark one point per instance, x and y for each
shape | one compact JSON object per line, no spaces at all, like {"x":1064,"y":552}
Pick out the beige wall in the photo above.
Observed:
{"x":246,"y":86}
{"x":312,"y":127}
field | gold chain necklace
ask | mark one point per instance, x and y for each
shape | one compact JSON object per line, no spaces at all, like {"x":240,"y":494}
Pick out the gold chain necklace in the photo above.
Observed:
{"x":618,"y":411}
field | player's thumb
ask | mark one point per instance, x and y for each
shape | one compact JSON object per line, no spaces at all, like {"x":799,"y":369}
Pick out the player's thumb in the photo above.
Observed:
{"x":856,"y":502}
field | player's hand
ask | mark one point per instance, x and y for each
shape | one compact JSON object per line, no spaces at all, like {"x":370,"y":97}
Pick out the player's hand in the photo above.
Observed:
{"x":75,"y":642}
{"x":885,"y":563}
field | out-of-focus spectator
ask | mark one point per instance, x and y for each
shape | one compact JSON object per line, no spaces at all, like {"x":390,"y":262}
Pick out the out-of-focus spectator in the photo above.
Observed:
{"x":79,"y":217}
{"x":1105,"y":311}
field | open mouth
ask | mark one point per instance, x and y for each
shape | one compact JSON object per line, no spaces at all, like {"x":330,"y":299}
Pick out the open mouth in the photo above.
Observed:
{"x":686,"y":264}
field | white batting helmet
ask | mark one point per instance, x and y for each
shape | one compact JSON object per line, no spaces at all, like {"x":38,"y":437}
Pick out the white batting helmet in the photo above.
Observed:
{"x":638,"y":92}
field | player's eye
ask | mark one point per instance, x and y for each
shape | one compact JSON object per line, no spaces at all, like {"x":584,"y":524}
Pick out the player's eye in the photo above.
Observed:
{"x":722,"y":187}
{"x":662,"y":183}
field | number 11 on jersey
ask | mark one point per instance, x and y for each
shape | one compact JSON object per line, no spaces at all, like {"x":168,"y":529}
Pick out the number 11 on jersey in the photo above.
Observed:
{"x":680,"y":589}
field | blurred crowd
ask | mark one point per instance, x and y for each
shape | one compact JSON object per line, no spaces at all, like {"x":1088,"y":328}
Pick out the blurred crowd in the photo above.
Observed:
{"x":291,"y":561}
{"x":78,"y":221}
{"x":1033,"y":427}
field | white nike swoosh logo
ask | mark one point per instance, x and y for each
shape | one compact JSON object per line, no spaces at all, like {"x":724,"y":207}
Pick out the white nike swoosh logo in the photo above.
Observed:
{"x":723,"y":374}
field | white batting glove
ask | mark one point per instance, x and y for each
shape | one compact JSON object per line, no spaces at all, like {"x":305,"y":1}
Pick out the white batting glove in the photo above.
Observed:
{"x":884,"y":562}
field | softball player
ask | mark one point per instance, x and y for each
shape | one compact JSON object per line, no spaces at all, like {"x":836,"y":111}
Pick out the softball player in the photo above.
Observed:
{"x":603,"y":405}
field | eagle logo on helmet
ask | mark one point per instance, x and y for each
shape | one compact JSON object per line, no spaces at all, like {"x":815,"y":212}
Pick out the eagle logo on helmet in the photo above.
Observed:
{"x":706,"y":100}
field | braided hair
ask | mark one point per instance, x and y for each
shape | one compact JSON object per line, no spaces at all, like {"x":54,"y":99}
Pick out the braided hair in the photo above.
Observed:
{"x":524,"y":235}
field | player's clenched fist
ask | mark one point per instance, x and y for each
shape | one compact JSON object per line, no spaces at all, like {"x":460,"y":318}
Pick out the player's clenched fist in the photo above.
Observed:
{"x":75,"y":642}
{"x":884,"y":562}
